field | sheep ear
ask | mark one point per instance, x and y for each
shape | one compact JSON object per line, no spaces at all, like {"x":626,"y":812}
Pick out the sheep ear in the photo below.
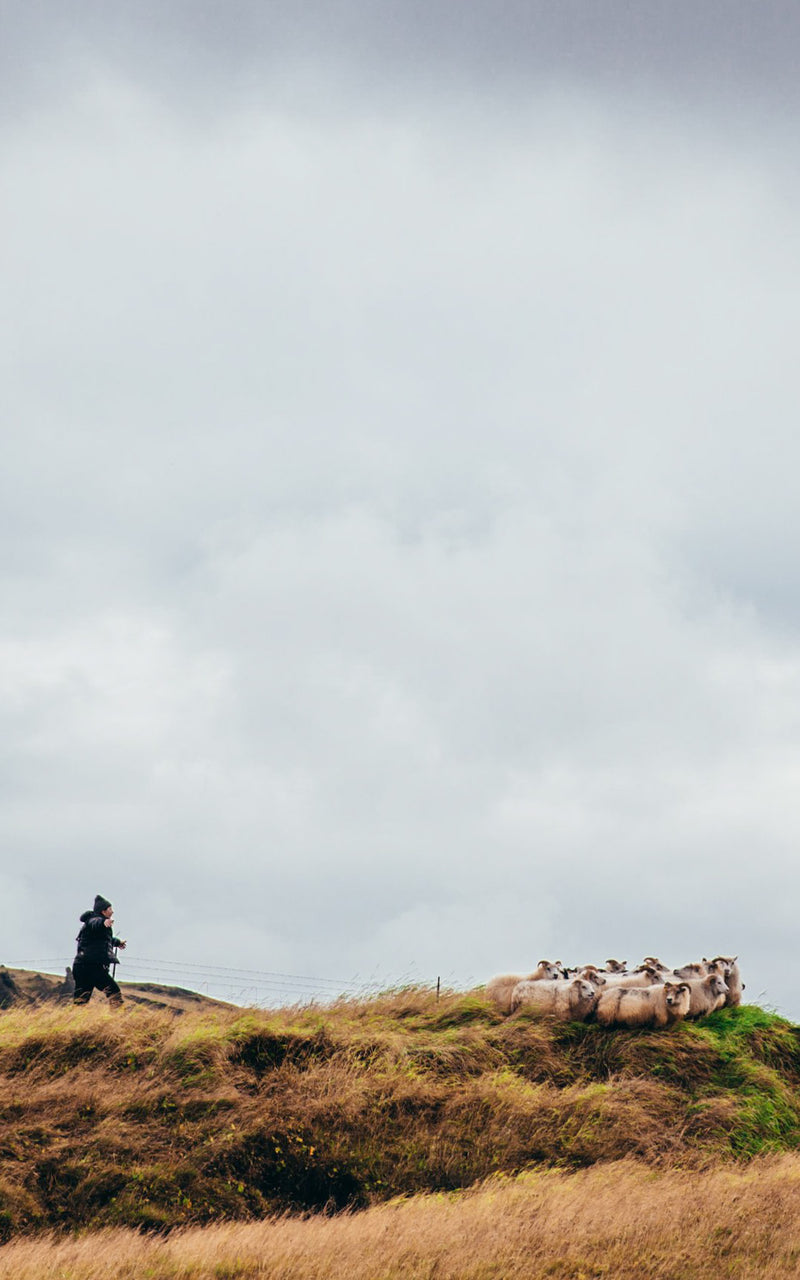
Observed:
{"x":685,"y":987}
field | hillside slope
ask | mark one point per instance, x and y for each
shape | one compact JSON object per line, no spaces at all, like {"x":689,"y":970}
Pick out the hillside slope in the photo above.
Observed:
{"x":27,"y":987}
{"x":148,"y":1119}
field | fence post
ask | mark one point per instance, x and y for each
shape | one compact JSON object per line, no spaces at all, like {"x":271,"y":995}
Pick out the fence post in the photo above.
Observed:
{"x":438,"y":986}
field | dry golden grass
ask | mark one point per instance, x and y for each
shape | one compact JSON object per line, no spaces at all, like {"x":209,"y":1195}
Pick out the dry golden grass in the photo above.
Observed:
{"x":152,"y":1120}
{"x":624,"y":1220}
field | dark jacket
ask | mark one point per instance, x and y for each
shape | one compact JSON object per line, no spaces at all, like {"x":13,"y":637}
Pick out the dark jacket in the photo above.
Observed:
{"x":95,"y":941}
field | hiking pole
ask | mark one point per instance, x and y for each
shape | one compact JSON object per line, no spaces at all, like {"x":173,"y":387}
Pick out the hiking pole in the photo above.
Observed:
{"x":114,"y":964}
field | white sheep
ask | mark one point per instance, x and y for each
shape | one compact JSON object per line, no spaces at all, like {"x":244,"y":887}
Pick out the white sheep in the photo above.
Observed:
{"x":572,"y":1000}
{"x":689,"y":972}
{"x":733,"y":978}
{"x":656,"y":1006}
{"x":707,"y":994}
{"x":639,"y":978}
{"x":590,"y":973}
{"x":500,"y":988}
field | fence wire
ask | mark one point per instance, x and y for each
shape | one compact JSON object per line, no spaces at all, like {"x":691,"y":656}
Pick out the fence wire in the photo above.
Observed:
{"x":225,"y":982}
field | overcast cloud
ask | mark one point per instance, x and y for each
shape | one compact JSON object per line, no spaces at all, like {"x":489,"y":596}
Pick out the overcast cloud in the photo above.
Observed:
{"x":400,"y":446}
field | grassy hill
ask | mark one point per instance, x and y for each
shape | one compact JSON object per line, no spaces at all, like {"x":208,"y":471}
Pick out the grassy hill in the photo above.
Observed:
{"x":25,"y":987}
{"x":153,"y":1120}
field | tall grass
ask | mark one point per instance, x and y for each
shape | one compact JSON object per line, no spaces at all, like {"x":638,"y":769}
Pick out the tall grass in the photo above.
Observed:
{"x":156,"y":1121}
{"x":624,"y":1221}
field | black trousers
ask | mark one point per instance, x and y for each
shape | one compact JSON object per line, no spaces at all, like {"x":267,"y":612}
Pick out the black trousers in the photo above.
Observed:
{"x":89,"y":974}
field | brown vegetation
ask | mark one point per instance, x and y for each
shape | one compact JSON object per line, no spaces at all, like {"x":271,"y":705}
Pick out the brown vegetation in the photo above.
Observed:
{"x":622,"y":1221}
{"x":154,"y":1120}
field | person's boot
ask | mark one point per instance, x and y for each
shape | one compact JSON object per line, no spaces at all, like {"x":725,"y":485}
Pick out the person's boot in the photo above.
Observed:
{"x":115,"y":1001}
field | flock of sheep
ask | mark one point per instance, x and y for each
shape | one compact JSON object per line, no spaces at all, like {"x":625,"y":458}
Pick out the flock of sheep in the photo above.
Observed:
{"x":651,"y":995}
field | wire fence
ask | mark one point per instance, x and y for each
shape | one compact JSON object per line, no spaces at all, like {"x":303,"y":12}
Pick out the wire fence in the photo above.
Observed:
{"x":235,"y":986}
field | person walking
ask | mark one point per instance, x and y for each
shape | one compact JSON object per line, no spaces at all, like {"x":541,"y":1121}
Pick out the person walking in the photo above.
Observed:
{"x":96,"y":943}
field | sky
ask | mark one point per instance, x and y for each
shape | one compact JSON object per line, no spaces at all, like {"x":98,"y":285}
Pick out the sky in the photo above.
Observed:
{"x":399,"y":565}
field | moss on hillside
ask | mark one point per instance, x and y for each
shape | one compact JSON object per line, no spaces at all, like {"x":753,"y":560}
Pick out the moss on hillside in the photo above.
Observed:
{"x":153,"y":1120}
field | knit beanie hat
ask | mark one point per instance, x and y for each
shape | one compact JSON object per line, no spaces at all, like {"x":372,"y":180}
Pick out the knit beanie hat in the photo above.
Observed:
{"x":100,"y":904}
